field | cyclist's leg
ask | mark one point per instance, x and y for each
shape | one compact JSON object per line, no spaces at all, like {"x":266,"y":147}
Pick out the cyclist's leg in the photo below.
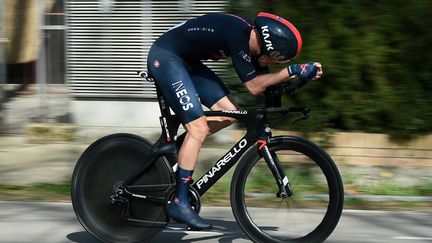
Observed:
{"x":197,"y":131}
{"x":216,"y":123}
{"x":214,"y":95}
{"x":172,"y":77}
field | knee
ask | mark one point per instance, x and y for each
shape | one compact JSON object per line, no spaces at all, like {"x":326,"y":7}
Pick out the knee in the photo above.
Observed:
{"x":198,"y":130}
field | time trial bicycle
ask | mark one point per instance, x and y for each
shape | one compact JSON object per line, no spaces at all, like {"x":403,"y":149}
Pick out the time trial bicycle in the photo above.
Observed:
{"x":284,"y":188}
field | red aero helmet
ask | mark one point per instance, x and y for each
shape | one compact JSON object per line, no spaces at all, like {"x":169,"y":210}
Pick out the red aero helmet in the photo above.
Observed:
{"x":279,"y":38}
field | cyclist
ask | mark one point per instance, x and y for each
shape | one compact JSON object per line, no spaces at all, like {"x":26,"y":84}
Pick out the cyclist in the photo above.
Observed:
{"x":175,"y":62}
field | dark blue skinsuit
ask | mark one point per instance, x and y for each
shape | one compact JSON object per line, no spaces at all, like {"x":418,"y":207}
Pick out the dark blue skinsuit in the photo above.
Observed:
{"x":175,"y":61}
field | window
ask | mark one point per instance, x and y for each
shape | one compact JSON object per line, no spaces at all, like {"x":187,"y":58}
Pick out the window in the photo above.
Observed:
{"x":108,"y":41}
{"x":53,"y":37}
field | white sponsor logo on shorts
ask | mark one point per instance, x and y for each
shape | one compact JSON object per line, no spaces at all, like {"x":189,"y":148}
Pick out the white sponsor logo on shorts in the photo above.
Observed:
{"x":182,"y":95}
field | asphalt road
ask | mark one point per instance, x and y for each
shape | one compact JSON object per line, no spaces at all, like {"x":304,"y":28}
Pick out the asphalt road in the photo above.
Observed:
{"x":56,"y":222}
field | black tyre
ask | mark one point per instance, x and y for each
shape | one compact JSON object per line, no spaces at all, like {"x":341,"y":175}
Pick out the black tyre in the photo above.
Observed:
{"x":309,"y":215}
{"x":108,"y":162}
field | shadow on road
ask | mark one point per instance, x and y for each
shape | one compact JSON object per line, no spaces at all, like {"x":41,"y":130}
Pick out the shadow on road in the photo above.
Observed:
{"x":223,"y":231}
{"x":82,"y":237}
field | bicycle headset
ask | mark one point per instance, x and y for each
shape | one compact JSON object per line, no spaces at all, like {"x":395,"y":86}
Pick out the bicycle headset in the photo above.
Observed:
{"x":279,"y":38}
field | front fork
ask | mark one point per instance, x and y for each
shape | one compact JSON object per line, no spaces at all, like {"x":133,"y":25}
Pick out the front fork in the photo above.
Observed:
{"x":275,"y":167}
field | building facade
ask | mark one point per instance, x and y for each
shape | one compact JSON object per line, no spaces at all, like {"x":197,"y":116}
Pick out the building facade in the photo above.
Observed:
{"x":88,"y":50}
{"x":107,"y":41}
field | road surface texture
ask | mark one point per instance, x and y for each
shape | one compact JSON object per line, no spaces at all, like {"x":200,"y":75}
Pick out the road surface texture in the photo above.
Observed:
{"x":56,"y":222}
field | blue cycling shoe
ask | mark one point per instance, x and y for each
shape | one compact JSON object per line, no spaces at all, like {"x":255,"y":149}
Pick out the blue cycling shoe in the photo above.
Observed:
{"x":183,"y":213}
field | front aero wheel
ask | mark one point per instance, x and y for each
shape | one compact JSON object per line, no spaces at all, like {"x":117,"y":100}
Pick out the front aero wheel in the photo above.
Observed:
{"x":309,"y":215}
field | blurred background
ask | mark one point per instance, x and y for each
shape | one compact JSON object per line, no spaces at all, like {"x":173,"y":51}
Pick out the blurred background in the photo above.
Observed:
{"x":67,"y":77}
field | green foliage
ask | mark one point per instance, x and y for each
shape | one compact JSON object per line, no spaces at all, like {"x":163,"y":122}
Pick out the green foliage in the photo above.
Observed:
{"x":36,"y":192}
{"x":376,"y":59}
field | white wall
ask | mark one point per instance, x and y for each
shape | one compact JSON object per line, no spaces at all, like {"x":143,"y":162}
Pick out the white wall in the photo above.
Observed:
{"x":105,"y":117}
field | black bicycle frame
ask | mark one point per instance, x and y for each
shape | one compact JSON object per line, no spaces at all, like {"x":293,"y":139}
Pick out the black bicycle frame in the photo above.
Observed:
{"x":258,"y":134}
{"x":255,"y":131}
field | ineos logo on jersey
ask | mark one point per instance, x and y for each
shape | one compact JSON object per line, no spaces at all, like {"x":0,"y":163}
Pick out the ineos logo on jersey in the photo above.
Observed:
{"x":266,"y":35}
{"x":245,"y":56}
{"x":182,"y":95}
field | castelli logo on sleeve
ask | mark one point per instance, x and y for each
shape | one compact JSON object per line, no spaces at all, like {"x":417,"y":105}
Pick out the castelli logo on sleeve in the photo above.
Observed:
{"x":266,"y":35}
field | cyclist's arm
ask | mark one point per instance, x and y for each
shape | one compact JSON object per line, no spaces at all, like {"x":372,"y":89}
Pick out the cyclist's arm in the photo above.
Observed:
{"x":258,"y":85}
{"x":248,"y":71}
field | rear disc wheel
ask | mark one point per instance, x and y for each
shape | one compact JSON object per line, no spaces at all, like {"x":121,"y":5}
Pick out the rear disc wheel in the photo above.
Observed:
{"x":104,"y":164}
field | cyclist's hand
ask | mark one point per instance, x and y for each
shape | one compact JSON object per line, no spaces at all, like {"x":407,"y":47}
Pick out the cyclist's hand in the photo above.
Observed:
{"x":307,"y":71}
